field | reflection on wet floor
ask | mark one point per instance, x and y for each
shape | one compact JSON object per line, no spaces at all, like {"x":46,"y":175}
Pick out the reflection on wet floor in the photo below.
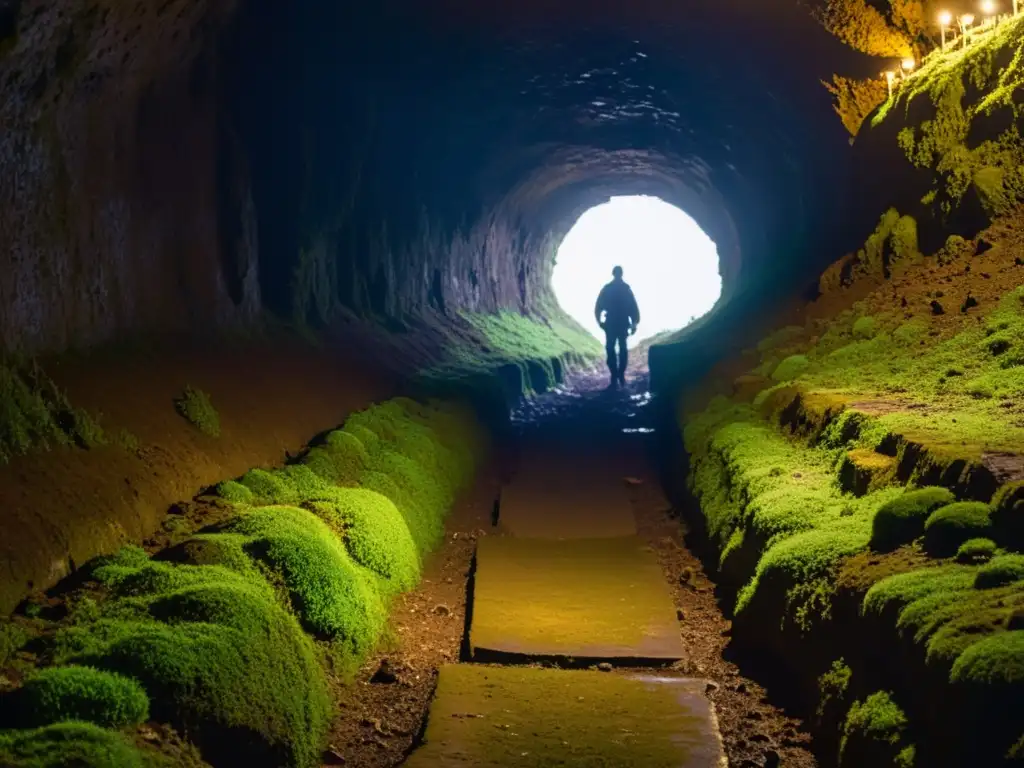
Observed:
{"x":584,"y":406}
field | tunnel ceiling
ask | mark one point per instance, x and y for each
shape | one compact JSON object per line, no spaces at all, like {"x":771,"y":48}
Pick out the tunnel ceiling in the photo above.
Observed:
{"x":204,"y":159}
{"x":515,"y":117}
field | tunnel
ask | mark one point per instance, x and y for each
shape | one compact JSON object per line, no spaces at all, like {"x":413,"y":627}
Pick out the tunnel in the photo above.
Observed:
{"x":305,"y":460}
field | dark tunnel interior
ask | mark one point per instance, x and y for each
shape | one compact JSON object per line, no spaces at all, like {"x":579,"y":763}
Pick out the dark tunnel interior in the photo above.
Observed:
{"x":376,"y":132}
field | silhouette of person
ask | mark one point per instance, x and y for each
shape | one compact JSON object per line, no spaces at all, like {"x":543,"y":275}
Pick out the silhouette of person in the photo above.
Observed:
{"x":618,"y":314}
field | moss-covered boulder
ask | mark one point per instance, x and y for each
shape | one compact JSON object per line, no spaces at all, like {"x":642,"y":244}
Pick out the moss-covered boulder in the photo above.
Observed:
{"x":791,"y":368}
{"x":82,"y":745}
{"x":79,"y":693}
{"x":1000,"y":571}
{"x":950,"y":526}
{"x":216,"y":654}
{"x":974,"y":551}
{"x":333,"y":596}
{"x":902,"y":520}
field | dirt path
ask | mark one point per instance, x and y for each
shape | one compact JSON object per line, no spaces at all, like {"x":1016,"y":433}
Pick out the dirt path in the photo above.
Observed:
{"x":381,"y":721}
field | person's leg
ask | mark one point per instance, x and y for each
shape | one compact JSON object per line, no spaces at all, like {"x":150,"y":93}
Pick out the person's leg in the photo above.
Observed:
{"x":623,"y":357}
{"x":609,"y":347}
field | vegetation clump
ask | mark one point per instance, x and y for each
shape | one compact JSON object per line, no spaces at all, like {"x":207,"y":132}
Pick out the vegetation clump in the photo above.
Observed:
{"x":80,"y":693}
{"x":975,"y":551}
{"x":70,"y":744}
{"x":195,"y":406}
{"x":790,"y":368}
{"x":950,"y":526}
{"x":875,"y":734}
{"x":1000,"y":571}
{"x":36,"y":415}
{"x":902,"y":520}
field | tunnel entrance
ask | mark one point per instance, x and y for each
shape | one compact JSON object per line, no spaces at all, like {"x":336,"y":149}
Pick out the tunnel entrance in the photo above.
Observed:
{"x":668,"y":260}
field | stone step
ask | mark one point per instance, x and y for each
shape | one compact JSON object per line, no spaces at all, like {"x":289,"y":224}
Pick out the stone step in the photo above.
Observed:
{"x":586,"y":600}
{"x":491,"y":717}
{"x":551,"y":498}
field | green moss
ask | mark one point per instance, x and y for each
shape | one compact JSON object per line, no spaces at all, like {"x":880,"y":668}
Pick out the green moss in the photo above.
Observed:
{"x":866,"y":327}
{"x":832,"y":691}
{"x":333,"y":597}
{"x":12,"y":638}
{"x":195,"y":406}
{"x":269,"y":487}
{"x":35,"y":415}
{"x":996,"y":661}
{"x":976,"y":551}
{"x":782,"y":338}
{"x":950,"y":526}
{"x":791,"y":368}
{"x":375,"y":535}
{"x":1000,"y":571}
{"x":82,"y":745}
{"x":80,"y":693}
{"x":235,"y":492}
{"x":216,"y":654}
{"x":902,"y":520}
{"x":874,"y":733}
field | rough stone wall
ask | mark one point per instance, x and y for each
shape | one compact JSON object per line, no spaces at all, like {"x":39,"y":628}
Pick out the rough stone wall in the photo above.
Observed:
{"x":121,"y":211}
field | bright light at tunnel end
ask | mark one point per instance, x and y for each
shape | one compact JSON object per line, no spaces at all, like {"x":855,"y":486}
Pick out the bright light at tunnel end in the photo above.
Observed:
{"x":668,"y":260}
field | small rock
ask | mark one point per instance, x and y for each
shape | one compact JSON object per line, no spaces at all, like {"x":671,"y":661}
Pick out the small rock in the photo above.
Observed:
{"x":332,"y":756}
{"x":604,"y":666}
{"x":373,"y":722}
{"x":711,"y":687}
{"x":982,"y":247}
{"x":1019,"y":261}
{"x":384,"y":675}
{"x":687,"y":579}
{"x":969,"y":303}
{"x":772,"y":759}
{"x":937,"y":308}
{"x":1016,"y":620}
{"x":679,"y":614}
{"x":442,"y":610}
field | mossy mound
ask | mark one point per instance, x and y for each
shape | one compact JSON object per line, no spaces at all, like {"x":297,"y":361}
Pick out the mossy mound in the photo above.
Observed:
{"x":902,"y":520}
{"x":1000,"y":571}
{"x":950,"y":526}
{"x":375,"y":535}
{"x":333,"y":596}
{"x":875,"y":735}
{"x":217,"y":655}
{"x":791,"y":368}
{"x":235,"y":492}
{"x":975,"y":551}
{"x":81,"y":745}
{"x":80,"y":693}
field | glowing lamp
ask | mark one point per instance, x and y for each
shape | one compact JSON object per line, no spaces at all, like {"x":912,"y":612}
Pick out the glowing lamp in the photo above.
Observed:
{"x":945,"y":18}
{"x":967,"y":19}
{"x":988,"y":7}
{"x":908,"y":64}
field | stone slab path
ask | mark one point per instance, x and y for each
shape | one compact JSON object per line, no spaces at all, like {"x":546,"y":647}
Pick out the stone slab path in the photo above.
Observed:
{"x":569,"y":582}
{"x":492,"y":717}
{"x":588,"y":600}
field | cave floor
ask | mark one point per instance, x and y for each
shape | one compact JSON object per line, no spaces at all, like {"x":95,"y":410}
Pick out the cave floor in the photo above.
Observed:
{"x":695,"y":701}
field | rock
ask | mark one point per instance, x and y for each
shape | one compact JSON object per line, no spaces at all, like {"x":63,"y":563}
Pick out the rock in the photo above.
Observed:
{"x":384,"y":675}
{"x":679,"y":614}
{"x":604,"y":666}
{"x":982,"y":247}
{"x":711,"y":687}
{"x":1019,"y":261}
{"x":772,"y":759}
{"x":687,"y":579}
{"x":442,"y":610}
{"x":969,"y":303}
{"x":1016,"y":620}
{"x":937,"y":308}
{"x":332,"y":756}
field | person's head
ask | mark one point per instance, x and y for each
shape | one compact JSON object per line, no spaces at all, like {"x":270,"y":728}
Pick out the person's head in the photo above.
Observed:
{"x":617,"y":273}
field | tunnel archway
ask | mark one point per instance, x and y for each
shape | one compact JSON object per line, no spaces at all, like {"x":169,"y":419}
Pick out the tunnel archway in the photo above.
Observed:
{"x":670,"y":263}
